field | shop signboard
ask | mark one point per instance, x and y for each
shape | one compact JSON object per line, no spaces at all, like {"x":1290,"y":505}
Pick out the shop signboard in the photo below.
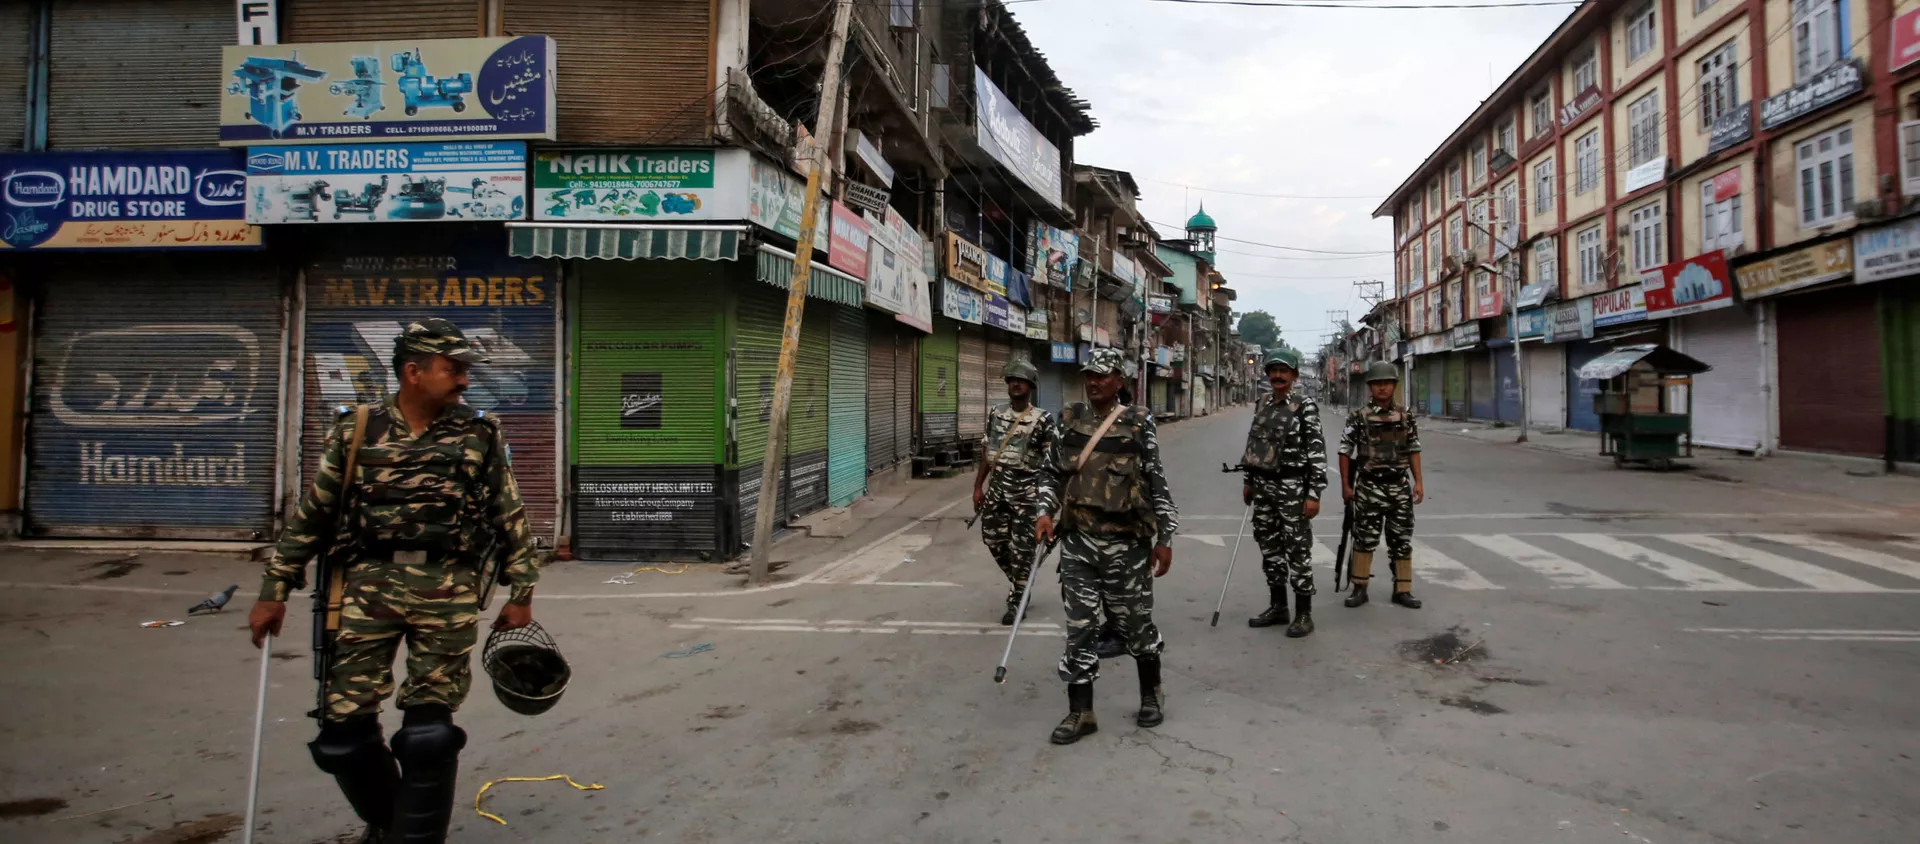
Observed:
{"x":1569,"y":321}
{"x":997,"y":276}
{"x":1486,"y":295}
{"x":192,"y":199}
{"x":966,"y":262}
{"x":1731,"y":128}
{"x":1016,"y":320}
{"x":1618,"y":306}
{"x":1056,"y":255}
{"x":996,"y":314}
{"x":1816,"y":264}
{"x":1063,"y":353}
{"x":634,"y":186}
{"x":866,"y":198}
{"x":1157,"y":304}
{"x":1887,"y":252}
{"x":893,"y":263}
{"x":1123,"y":267}
{"x":361,"y":183}
{"x":848,"y":244}
{"x":1906,"y":41}
{"x":960,"y":303}
{"x":1531,"y":324}
{"x":1038,"y":324}
{"x":453,"y":89}
{"x":1827,"y":87}
{"x":1466,"y":335}
{"x":1650,"y":173}
{"x":1579,"y":104}
{"x":869,"y":154}
{"x":1006,"y":135}
{"x":776,"y":197}
{"x":1697,"y":284}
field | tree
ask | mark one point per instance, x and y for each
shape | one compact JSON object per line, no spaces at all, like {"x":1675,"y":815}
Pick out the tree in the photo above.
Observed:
{"x":1259,"y":329}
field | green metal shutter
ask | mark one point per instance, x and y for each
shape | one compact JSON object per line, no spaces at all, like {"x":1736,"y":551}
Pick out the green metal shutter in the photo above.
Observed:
{"x":759,"y":316}
{"x":136,"y":73}
{"x":906,"y":355}
{"x":808,"y":412}
{"x":1457,"y":385}
{"x":1900,"y":349}
{"x":939,"y":395}
{"x":16,"y":17}
{"x":973,"y":384}
{"x":880,"y":390}
{"x":647,"y":385}
{"x":847,"y":408}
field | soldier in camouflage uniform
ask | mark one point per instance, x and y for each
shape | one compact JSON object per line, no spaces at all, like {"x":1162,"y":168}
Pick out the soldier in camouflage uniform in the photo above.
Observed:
{"x":1005,"y":492}
{"x":433,"y":487}
{"x":1117,"y":522}
{"x":1380,"y":444}
{"x":1286,"y":466}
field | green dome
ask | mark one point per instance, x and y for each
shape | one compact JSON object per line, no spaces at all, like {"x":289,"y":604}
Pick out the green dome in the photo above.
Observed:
{"x":1200,"y":220}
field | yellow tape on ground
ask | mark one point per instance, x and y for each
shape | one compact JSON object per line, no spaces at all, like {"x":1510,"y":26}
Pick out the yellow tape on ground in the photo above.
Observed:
{"x":502,"y":821}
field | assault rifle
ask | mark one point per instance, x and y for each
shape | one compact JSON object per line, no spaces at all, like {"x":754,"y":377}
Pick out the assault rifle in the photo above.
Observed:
{"x":330,"y":573}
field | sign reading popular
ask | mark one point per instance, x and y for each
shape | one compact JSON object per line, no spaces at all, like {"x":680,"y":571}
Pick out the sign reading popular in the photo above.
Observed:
{"x":124,"y":200}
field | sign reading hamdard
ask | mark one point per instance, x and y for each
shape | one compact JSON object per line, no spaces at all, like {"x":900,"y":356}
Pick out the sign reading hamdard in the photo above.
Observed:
{"x":185,"y":199}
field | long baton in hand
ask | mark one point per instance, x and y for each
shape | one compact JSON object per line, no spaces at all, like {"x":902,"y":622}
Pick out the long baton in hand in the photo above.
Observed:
{"x":259,"y":721}
{"x":1026,"y":593}
{"x":1230,"y":561}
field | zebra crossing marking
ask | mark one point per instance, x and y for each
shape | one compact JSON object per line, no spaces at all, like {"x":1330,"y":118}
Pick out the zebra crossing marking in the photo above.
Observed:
{"x":1429,"y":564}
{"x":1887,"y":562}
{"x":1564,"y":573}
{"x":1822,"y":579}
{"x":1692,"y":575}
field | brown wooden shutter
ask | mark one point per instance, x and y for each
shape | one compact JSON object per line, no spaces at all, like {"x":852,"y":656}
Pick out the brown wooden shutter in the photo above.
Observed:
{"x":315,"y":21}
{"x":1831,"y":395}
{"x":629,"y":72}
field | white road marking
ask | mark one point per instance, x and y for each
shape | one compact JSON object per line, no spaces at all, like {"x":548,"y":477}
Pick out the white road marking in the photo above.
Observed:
{"x":1787,"y":567}
{"x":1214,"y":539}
{"x":1564,"y":573}
{"x":872,"y":562}
{"x":1898,"y":565}
{"x":1791,"y":635}
{"x":1431,"y":565}
{"x":910,"y":583}
{"x":1692,"y":575}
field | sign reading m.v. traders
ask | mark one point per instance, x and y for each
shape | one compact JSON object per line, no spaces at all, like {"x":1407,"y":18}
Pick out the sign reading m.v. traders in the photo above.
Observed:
{"x":124,"y":200}
{"x":1827,"y":87}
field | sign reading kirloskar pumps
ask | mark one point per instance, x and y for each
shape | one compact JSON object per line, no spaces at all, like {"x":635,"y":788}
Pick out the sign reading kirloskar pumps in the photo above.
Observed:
{"x":358,"y":183}
{"x":630,"y":185}
{"x":1004,"y":133}
{"x":1816,"y":264}
{"x":1827,"y":87}
{"x":1697,"y":284}
{"x":849,"y":242}
{"x":125,"y":200}
{"x":1888,"y":252}
{"x":412,"y":90}
{"x":1619,"y":305}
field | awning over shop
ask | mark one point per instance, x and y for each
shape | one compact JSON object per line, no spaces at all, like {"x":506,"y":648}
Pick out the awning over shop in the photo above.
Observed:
{"x":621,"y":242}
{"x":1622,"y":358}
{"x":774,"y":266}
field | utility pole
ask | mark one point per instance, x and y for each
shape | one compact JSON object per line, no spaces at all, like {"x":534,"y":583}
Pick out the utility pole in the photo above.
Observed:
{"x":1512,"y":286}
{"x":823,"y":125}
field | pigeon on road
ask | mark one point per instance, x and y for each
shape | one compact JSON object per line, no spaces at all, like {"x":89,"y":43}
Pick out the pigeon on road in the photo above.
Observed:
{"x":213,"y":604}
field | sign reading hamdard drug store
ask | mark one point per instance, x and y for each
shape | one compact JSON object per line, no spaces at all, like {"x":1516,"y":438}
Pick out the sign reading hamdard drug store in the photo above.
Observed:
{"x":124,"y":200}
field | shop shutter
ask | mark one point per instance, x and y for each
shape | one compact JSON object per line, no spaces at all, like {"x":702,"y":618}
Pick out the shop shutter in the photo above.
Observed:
{"x":808,"y":412}
{"x":137,"y":73}
{"x":760,"y":314}
{"x":319,"y":21}
{"x":1457,"y":385}
{"x":1481,"y":388}
{"x":1900,"y":355}
{"x":1053,"y":386}
{"x":1831,"y":394}
{"x":847,"y":408}
{"x":994,"y":386}
{"x":880,"y":390}
{"x":973,"y":384}
{"x":1729,"y":402}
{"x":1506,"y":373}
{"x":156,"y":407}
{"x":628,"y":72}
{"x":1546,"y":385}
{"x":939,"y":394}
{"x":16,"y":17}
{"x":647,"y":379}
{"x":906,"y":355}
{"x":1580,"y":392}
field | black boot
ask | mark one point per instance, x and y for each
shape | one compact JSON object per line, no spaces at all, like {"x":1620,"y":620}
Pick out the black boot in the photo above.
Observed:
{"x":1013,"y":608}
{"x":1359,"y":595}
{"x":1079,"y":721}
{"x":1407,"y":600}
{"x":359,"y":761}
{"x":1302,"y":616}
{"x":1276,"y":612}
{"x":429,"y":752}
{"x":373,"y":835}
{"x":1152,"y":700}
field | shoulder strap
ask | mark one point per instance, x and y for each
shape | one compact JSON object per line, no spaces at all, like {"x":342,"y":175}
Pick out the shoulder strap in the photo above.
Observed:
{"x":1013,"y":426}
{"x":353,"y":448}
{"x":1105,"y":425}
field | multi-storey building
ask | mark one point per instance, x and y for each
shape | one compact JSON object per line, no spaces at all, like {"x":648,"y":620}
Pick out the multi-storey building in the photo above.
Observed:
{"x":1730,"y":178}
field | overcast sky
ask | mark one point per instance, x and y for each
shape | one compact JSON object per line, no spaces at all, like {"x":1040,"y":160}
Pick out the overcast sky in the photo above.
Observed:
{"x":1300,"y":102}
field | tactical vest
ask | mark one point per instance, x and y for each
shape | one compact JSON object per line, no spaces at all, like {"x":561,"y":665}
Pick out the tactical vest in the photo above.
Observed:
{"x":1384,"y":439}
{"x":1271,"y":432}
{"x":419,"y":495}
{"x":1015,"y":456}
{"x":1111,"y":488}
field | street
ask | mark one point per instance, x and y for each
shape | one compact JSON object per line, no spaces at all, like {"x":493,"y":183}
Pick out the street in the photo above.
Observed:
{"x":1722,"y":654}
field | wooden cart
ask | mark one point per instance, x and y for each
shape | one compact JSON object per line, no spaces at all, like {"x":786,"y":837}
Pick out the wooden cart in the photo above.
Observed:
{"x":1643,"y":418}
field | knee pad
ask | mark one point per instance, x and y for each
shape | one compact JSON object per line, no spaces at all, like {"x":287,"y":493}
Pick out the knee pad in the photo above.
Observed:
{"x":428,"y":743}
{"x":345,"y":746}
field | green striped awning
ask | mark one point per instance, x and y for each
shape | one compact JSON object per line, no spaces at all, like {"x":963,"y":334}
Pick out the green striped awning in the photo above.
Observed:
{"x":629,"y":243}
{"x":775,"y":267}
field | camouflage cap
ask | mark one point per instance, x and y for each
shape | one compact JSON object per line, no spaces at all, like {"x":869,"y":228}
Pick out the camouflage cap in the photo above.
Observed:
{"x":1284,"y":357}
{"x":1022,"y":370}
{"x":437,"y":336}
{"x":1105,"y":362}
{"x":1381,"y":370}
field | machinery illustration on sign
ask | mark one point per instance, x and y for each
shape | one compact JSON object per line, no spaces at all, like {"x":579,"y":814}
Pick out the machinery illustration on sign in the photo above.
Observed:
{"x":270,"y":85}
{"x":424,"y":91}
{"x":364,"y":88}
{"x":363,"y":202}
{"x":483,"y":180}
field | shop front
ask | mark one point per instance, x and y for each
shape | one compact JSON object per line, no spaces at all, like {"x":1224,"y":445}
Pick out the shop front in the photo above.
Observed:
{"x":1888,"y":260}
{"x":1831,"y":396}
{"x":1729,"y":400}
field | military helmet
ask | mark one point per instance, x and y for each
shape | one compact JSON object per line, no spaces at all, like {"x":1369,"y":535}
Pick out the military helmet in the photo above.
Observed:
{"x":436,"y":336}
{"x":1284,"y":357}
{"x":526,"y":667}
{"x":1023,"y":370}
{"x":1104,"y":361}
{"x":1381,"y":370}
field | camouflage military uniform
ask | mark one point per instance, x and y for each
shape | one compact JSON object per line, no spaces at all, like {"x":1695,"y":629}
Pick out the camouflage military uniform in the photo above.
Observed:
{"x":1384,"y":439}
{"x":1012,"y":497}
{"x":1286,"y":462}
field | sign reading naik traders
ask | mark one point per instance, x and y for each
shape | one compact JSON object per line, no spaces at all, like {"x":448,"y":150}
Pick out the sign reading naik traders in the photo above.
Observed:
{"x":1004,"y":133}
{"x":631,"y":185}
{"x":411,"y":90}
{"x":124,"y":200}
{"x":359,"y":183}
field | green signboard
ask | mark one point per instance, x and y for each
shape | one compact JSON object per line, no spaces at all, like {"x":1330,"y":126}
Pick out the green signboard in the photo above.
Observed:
{"x":629,"y":185}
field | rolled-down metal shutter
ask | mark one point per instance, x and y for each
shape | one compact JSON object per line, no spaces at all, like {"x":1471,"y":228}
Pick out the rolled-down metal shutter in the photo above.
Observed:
{"x":1546,"y":385}
{"x":1481,"y":388}
{"x":880,"y":392}
{"x":309,"y":21}
{"x":156,"y":405}
{"x":1506,"y":373}
{"x":847,"y":408}
{"x":1456,"y":386}
{"x":807,"y":415}
{"x":136,"y":73}
{"x":16,"y":17}
{"x":939,"y":394}
{"x":1416,"y":396}
{"x":1580,"y":391}
{"x":760,"y":313}
{"x":1832,"y":397}
{"x":1053,"y":389}
{"x":993,"y":387}
{"x":973,"y":384}
{"x":906,"y":356}
{"x":647,"y":378}
{"x":1729,"y":402}
{"x":627,"y":70}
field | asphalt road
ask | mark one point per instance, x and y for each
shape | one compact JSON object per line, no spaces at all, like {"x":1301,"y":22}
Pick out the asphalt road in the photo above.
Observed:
{"x":1621,"y":656}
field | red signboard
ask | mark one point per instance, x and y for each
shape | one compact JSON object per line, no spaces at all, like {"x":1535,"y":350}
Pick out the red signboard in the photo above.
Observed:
{"x":1700,"y":283}
{"x":1906,"y":41}
{"x":1486,"y":296}
{"x":1726,"y":185}
{"x":847,"y":248}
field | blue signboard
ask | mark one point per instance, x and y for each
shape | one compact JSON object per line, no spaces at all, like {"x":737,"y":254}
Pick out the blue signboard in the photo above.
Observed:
{"x":124,"y":200}
{"x":358,"y":183}
{"x":1064,"y":353}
